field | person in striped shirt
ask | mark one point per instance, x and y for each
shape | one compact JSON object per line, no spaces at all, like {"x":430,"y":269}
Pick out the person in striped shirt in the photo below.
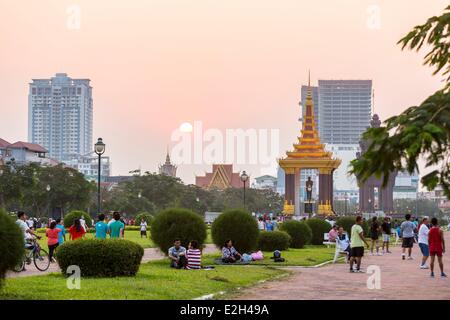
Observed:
{"x":194,"y":256}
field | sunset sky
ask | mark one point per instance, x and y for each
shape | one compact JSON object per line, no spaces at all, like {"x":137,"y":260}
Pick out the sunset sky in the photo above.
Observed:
{"x":155,"y":64}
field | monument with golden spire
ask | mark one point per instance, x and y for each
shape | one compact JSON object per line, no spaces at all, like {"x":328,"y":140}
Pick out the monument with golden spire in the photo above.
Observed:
{"x":309,"y":153}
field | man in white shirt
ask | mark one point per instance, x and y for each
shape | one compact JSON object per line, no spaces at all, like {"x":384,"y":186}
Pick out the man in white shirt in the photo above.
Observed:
{"x":27,"y":232}
{"x":423,"y":242}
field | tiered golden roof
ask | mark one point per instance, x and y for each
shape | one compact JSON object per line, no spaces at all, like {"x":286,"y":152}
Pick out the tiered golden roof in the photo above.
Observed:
{"x":309,"y":152}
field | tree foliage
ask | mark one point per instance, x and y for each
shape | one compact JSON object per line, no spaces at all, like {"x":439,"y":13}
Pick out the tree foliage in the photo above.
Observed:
{"x":25,"y":187}
{"x":420,"y":131}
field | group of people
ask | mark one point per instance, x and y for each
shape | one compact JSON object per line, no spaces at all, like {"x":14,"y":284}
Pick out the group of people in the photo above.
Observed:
{"x":191,"y":258}
{"x":56,"y":232}
{"x":427,"y":234}
{"x":267,"y":223}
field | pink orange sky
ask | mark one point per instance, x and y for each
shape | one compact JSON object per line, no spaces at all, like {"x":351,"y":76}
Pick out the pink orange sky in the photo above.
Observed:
{"x":155,"y":64}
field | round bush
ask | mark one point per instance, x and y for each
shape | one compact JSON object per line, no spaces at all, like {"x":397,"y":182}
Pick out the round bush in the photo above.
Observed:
{"x":273,"y":240}
{"x":348,"y":221}
{"x":318,"y":228}
{"x":299,"y":232}
{"x":237,"y":225}
{"x":101,"y":257}
{"x":11,"y":244}
{"x":177,"y":223}
{"x":70,"y":218}
{"x":143,"y":215}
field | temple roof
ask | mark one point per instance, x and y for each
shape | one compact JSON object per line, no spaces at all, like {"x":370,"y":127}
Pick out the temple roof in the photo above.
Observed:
{"x":309,"y":150}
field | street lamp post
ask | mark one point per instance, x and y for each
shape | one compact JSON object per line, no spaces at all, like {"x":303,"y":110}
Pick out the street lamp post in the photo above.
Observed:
{"x":244,"y":178}
{"x":48,"y":188}
{"x":99,"y":150}
{"x":345,"y":203}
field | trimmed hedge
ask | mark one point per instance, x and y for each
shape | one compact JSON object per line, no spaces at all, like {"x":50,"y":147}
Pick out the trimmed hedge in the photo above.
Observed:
{"x":71,"y":216}
{"x":273,"y":240}
{"x":348,"y":221}
{"x":11,"y":244}
{"x":318,"y":228}
{"x":143,"y":215}
{"x":237,"y":225}
{"x":101,"y":257}
{"x":299,"y":232}
{"x":174,"y":223}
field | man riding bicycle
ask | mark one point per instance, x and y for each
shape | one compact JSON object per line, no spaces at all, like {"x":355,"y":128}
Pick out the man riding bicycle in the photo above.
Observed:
{"x":28,"y":234}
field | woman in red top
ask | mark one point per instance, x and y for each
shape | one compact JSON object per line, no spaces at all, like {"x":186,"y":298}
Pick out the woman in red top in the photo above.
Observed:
{"x":436,"y":245}
{"x":76,"y":230}
{"x":52,"y":239}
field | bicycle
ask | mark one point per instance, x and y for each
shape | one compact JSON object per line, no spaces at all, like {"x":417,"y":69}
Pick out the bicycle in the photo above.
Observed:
{"x":38,"y":255}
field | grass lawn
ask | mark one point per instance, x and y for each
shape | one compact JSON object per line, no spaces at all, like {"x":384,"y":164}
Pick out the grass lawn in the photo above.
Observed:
{"x":154,"y":281}
{"x":310,"y":255}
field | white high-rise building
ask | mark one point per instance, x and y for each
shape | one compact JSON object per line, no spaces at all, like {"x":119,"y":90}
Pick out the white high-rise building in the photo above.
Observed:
{"x":60,"y":116}
{"x":344,"y":110}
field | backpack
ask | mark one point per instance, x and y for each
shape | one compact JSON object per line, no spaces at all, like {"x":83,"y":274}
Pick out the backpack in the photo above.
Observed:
{"x":277,"y":256}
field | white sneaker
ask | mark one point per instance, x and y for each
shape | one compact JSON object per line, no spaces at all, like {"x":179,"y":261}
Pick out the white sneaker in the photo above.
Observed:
{"x":424,"y":266}
{"x":379,"y":254}
{"x":371,"y":254}
{"x":410,"y":258}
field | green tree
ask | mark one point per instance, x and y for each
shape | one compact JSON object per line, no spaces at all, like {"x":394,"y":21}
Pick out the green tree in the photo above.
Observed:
{"x":420,"y":131}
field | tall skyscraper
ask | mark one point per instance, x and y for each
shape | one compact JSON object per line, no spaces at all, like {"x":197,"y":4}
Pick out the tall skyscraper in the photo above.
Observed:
{"x":344,"y":110}
{"x":60,"y":116}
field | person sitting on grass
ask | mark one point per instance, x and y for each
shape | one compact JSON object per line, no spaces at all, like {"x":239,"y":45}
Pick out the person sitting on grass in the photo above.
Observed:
{"x":76,"y":231}
{"x":229,"y":253}
{"x":193,"y":256}
{"x":177,"y":255}
{"x":101,"y":228}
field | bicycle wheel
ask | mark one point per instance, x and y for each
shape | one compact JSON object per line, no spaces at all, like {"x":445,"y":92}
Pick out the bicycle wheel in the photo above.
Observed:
{"x":20,"y":266}
{"x":41,"y":260}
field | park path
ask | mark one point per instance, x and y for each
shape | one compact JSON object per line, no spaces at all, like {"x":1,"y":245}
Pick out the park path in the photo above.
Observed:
{"x":149,"y":255}
{"x":400,"y":279}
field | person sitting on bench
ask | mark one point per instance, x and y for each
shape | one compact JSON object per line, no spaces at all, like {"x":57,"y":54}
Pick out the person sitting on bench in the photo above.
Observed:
{"x":229,"y":253}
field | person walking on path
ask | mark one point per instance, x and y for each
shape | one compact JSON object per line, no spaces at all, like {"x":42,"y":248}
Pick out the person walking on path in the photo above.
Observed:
{"x":374,"y":235}
{"x":437,"y":246}
{"x":62,"y":234}
{"x":357,"y":245}
{"x":423,"y":242}
{"x":101,"y":228}
{"x":407,"y":230}
{"x":386,"y":231}
{"x":52,"y":234}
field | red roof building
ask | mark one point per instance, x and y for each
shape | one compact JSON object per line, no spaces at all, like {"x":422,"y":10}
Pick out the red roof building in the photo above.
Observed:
{"x":221,"y":177}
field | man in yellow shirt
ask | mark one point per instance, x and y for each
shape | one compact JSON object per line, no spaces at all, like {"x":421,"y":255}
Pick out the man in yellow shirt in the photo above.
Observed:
{"x":357,"y":244}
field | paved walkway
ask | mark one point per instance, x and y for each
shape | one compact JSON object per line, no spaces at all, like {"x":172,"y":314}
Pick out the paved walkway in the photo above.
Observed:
{"x":399,"y":280}
{"x":149,"y":255}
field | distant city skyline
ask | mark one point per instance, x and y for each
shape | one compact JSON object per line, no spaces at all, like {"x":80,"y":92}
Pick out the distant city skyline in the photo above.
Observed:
{"x":234,"y":64}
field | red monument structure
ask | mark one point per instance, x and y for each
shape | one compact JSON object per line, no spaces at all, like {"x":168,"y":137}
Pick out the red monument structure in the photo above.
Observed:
{"x":221,"y":178}
{"x":309,"y":153}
